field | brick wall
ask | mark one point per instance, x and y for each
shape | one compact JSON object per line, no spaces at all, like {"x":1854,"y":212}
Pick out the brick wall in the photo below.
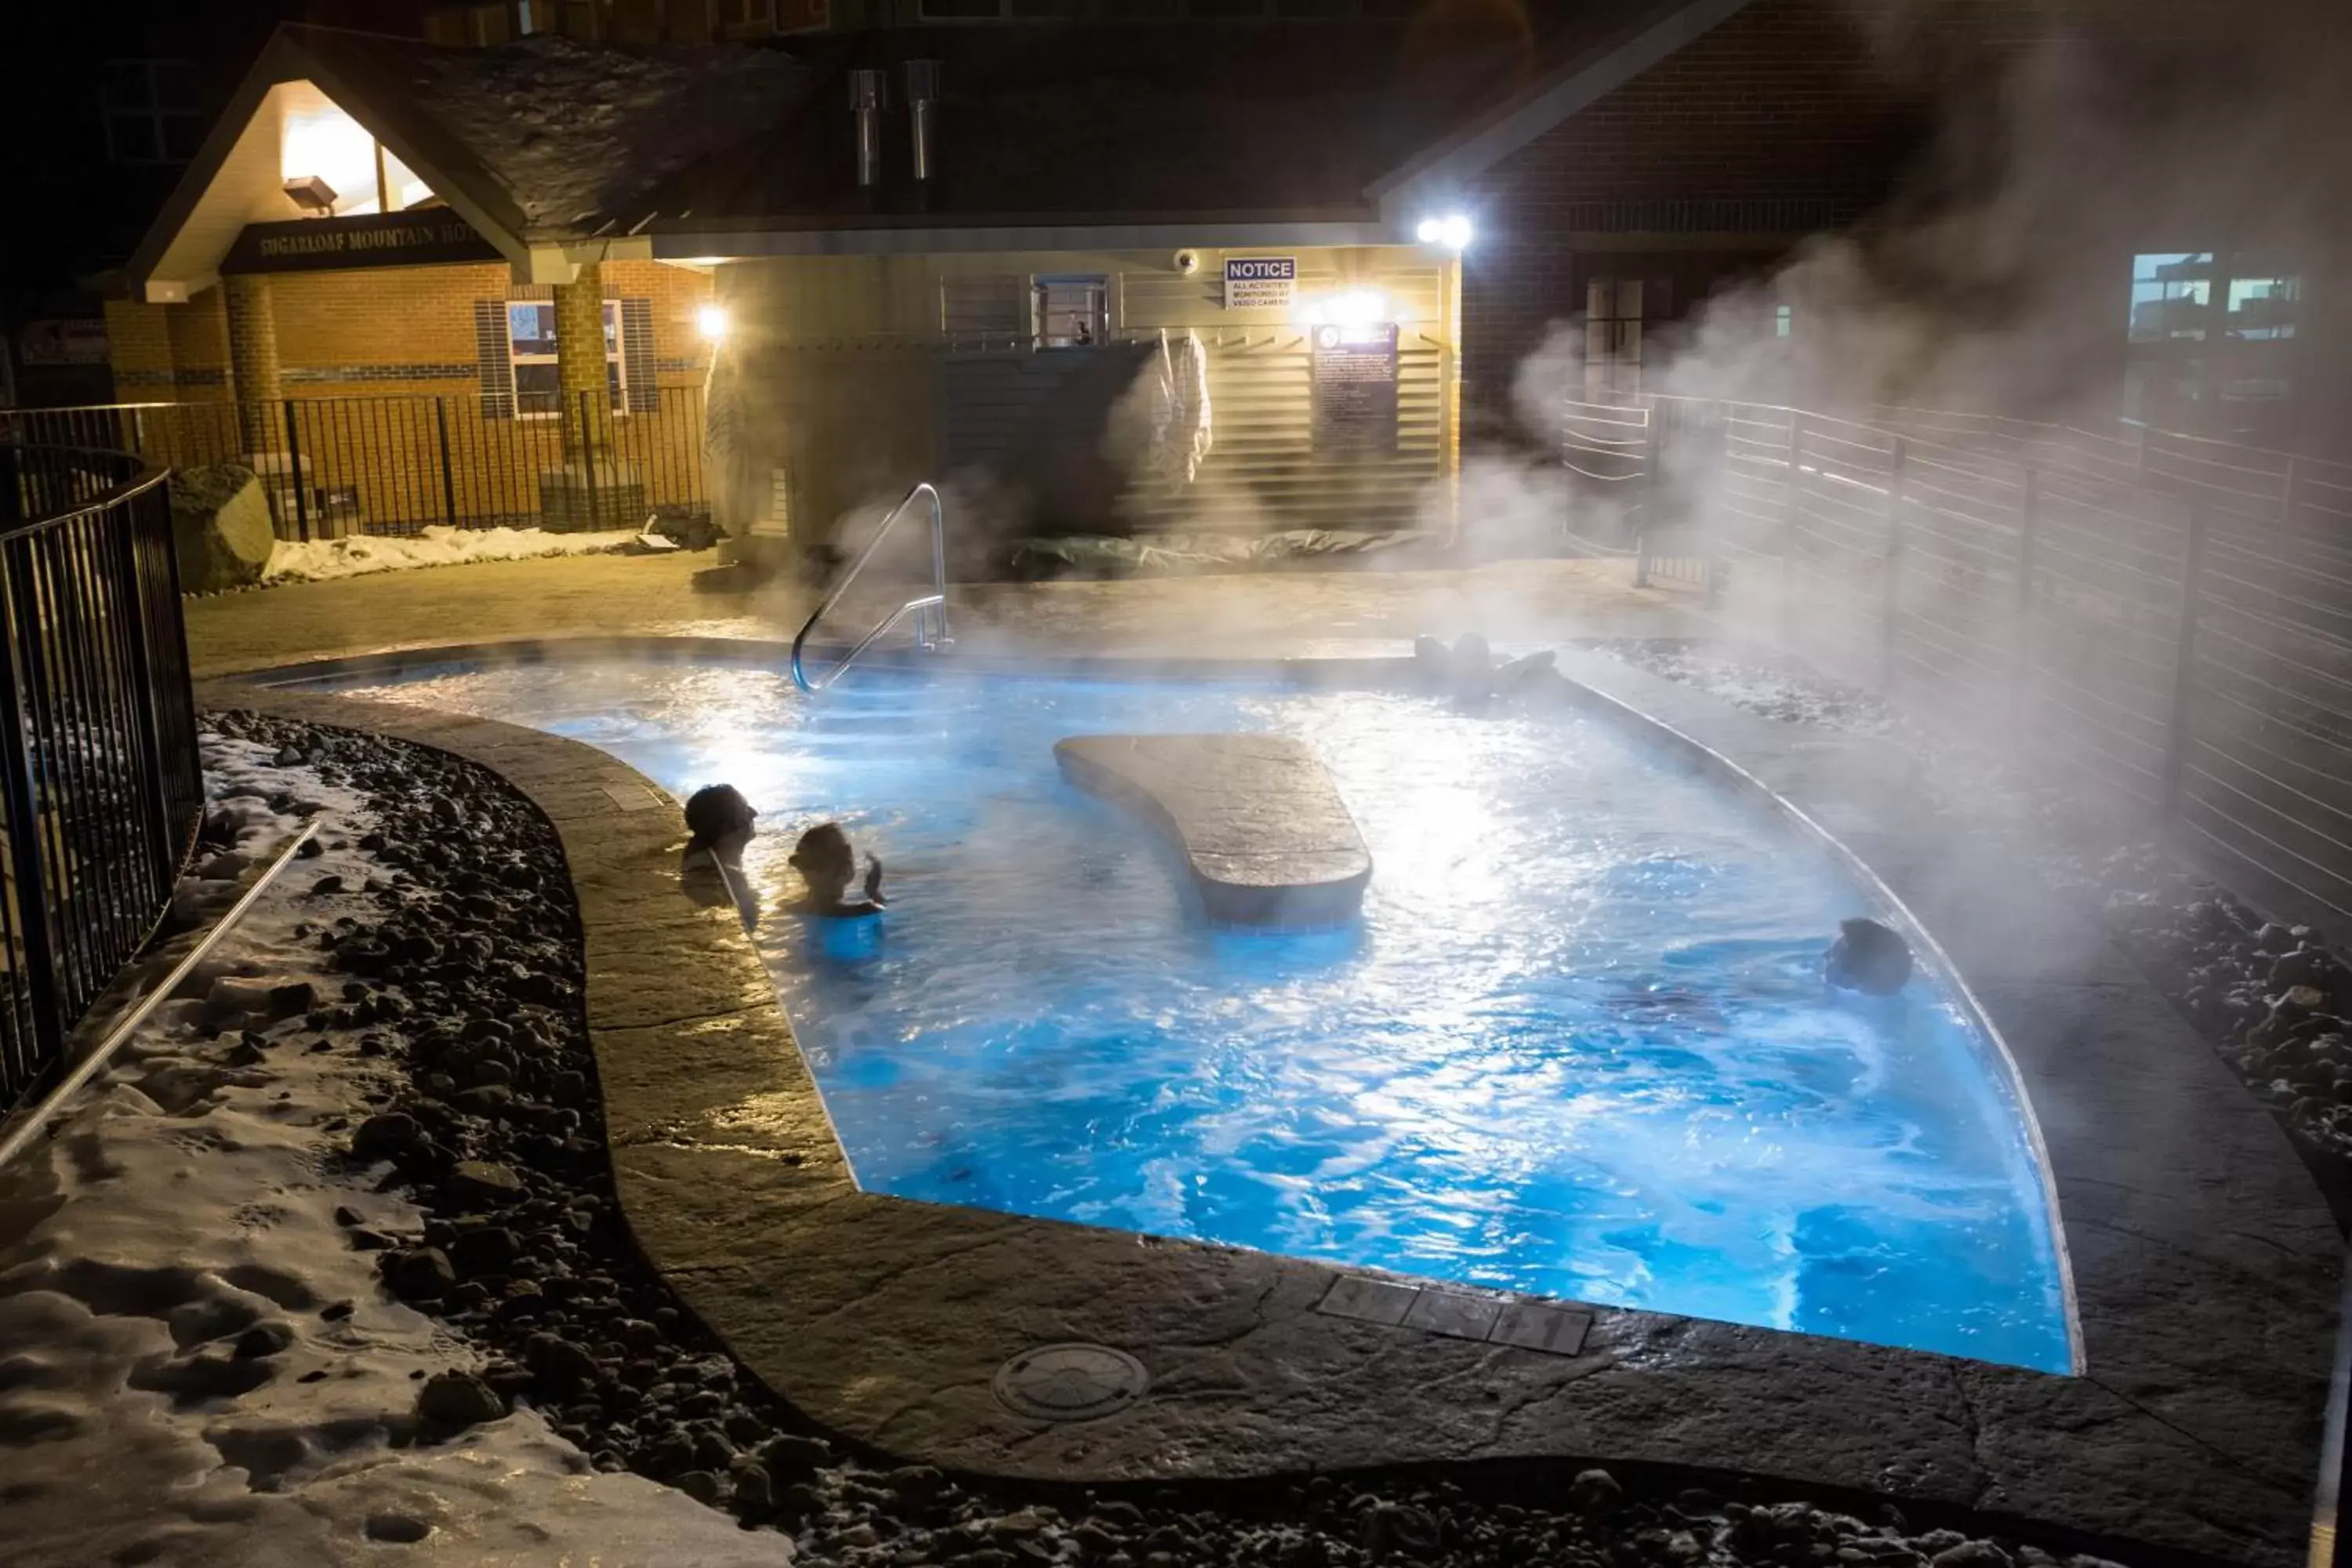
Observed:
{"x":1793,"y":117}
{"x":1782,"y":119}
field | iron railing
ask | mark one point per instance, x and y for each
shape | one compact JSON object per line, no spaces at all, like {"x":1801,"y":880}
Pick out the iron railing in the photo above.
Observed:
{"x":332,"y":466}
{"x":929,"y":610}
{"x":2166,"y":618}
{"x":99,"y":787}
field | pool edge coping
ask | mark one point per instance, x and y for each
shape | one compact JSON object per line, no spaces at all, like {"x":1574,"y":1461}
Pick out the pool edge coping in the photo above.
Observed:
{"x":235,"y":690}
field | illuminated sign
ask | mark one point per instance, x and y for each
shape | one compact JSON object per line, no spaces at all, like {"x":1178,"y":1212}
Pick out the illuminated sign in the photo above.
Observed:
{"x":1254,"y":282}
{"x":1354,"y":386}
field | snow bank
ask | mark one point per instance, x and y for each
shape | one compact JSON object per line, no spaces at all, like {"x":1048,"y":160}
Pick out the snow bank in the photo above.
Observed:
{"x":322,"y":560}
{"x":181,"y":1222}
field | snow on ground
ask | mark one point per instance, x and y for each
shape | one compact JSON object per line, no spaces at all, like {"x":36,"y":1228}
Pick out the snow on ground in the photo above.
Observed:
{"x":320,"y":560}
{"x":196,"y":1364}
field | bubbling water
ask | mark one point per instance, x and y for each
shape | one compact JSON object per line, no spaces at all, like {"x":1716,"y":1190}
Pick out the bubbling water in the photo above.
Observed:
{"x":1578,"y":1045}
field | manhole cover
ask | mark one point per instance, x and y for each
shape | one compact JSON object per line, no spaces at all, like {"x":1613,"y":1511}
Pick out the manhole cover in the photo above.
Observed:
{"x":1071,"y":1383}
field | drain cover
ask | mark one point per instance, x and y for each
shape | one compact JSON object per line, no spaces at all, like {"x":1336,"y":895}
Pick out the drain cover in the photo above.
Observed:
{"x":1071,"y":1383}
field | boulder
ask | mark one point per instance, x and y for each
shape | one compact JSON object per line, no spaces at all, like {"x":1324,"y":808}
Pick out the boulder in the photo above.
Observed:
{"x":221,"y":529}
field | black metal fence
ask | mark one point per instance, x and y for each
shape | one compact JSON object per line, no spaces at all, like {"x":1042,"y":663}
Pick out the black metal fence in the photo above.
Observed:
{"x":100,"y":786}
{"x":2166,"y":618}
{"x":332,"y":466}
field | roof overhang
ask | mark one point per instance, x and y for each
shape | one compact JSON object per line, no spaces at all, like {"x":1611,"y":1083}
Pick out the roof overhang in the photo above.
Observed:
{"x":1438,"y":177}
{"x":235,"y":178}
{"x":1214,"y":233}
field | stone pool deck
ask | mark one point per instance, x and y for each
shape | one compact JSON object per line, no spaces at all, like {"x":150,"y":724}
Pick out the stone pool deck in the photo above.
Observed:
{"x":2204,"y":1263}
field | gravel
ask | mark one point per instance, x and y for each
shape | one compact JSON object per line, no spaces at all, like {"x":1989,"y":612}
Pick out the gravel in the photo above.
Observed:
{"x":490,"y":1125}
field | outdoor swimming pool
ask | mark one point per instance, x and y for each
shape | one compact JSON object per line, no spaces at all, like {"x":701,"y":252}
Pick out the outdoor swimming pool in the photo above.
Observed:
{"x":1578,"y":1045}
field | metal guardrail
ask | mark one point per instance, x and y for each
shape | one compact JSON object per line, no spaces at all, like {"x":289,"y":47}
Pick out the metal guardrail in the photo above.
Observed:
{"x":99,"y":787}
{"x":2166,"y":618}
{"x":929,"y":610}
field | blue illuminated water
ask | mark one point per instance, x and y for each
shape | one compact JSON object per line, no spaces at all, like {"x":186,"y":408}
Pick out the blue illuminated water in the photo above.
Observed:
{"x":1578,"y":1046}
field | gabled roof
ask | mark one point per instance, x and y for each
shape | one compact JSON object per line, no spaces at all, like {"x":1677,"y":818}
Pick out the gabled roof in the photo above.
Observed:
{"x":1112,"y":132}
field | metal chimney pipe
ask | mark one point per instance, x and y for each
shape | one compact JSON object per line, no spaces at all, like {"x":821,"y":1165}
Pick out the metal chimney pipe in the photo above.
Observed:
{"x":866,"y":93}
{"x":923,"y":115}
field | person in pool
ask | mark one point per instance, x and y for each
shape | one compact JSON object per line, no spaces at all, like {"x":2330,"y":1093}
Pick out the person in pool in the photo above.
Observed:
{"x":828,"y":865}
{"x":1867,"y":957}
{"x":720,"y":821}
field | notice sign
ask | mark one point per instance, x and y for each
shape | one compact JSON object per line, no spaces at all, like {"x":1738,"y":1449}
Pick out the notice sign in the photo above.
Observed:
{"x":386,"y":239}
{"x":1355,"y":388}
{"x":1257,"y":281}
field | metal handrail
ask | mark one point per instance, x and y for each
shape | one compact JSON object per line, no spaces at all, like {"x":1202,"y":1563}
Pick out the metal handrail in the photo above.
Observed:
{"x":929,"y":610}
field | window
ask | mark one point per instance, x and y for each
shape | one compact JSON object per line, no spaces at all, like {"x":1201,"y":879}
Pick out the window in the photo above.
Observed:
{"x":530,"y":349}
{"x":1069,"y":313}
{"x":2261,"y":304}
{"x":1784,"y":321}
{"x":151,"y":111}
{"x":2171,"y":295}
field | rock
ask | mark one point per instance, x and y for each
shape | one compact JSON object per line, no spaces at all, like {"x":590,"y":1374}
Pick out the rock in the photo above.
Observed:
{"x":792,"y":1457}
{"x":916,"y":1483}
{"x":1595,"y":1493}
{"x":458,"y":1399}
{"x":419,"y":1274}
{"x":490,"y":1249}
{"x":1397,"y":1527}
{"x":221,"y":529}
{"x":326,"y":886}
{"x":483,"y":1182}
{"x":385,"y":1136}
{"x":699,"y":1485}
{"x":264,"y":1340}
{"x":1972,"y":1554}
{"x":755,"y":1492}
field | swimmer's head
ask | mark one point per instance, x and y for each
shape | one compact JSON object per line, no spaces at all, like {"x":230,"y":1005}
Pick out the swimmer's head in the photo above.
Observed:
{"x":718,"y":817}
{"x":826,"y":861}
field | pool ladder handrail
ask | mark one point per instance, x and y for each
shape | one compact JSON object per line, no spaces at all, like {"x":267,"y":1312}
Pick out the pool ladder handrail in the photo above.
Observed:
{"x":929,"y":610}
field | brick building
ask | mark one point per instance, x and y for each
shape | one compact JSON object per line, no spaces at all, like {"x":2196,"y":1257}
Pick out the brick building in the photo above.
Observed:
{"x":1083,"y":187}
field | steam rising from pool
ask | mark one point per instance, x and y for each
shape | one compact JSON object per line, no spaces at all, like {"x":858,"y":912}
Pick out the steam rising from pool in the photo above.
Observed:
{"x":1579,"y":1045}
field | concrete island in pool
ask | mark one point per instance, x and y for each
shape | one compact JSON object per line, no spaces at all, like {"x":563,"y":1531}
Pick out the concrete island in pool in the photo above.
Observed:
{"x":2204,"y":1263}
{"x":1262,"y":827}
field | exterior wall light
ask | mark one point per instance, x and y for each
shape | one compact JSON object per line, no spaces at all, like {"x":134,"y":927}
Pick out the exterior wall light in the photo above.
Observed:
{"x":1355,"y":310}
{"x":710,"y":321}
{"x":312,"y":194}
{"x":1452,"y":231}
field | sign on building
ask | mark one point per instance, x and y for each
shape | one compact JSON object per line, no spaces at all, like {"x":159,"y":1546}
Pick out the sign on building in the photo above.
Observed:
{"x":64,"y":342}
{"x":1255,"y":282}
{"x":373,"y":239}
{"x":1354,"y":381}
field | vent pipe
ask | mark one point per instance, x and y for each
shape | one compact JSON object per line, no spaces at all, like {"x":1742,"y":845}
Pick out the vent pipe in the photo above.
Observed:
{"x":923,"y":115}
{"x":866,"y":103}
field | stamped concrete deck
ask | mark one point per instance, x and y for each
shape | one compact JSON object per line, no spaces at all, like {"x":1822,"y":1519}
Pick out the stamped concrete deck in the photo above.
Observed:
{"x":1291,"y":614}
{"x":2204,"y":1262}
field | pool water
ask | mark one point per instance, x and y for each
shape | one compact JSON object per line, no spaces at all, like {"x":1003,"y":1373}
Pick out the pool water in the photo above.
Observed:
{"x":1578,"y":1045}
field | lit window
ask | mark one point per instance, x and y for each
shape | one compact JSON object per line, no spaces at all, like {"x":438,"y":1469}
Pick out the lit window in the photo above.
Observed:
{"x":151,"y":111}
{"x":1784,"y":319}
{"x":2171,"y":293}
{"x":1069,"y":313}
{"x":530,"y":346}
{"x":2263,"y":308}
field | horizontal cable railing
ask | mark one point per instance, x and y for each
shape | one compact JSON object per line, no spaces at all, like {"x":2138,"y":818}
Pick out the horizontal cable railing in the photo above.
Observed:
{"x":395,"y":465}
{"x":2167,"y":617}
{"x":100,"y":790}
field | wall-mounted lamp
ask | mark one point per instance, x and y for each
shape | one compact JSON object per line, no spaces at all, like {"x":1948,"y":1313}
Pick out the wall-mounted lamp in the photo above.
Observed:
{"x":710,"y":321}
{"x":1452,"y":231}
{"x":312,"y":194}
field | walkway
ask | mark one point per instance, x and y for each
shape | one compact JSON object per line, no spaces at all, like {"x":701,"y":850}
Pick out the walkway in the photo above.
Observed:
{"x":1296,"y":614}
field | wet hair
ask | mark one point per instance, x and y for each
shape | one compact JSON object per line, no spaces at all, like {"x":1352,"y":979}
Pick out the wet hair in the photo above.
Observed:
{"x":824,"y":849}
{"x":717,"y":812}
